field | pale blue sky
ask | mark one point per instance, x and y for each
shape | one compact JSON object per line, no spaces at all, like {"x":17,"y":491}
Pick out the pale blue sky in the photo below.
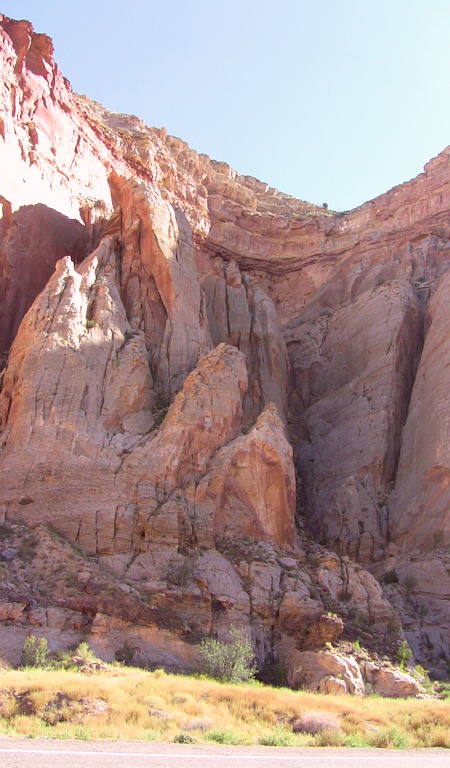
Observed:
{"x":333,"y":101}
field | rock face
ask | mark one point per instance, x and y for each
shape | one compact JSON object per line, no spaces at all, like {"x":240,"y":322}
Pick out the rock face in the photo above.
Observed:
{"x":423,"y":483}
{"x":159,"y":284}
{"x":32,"y":241}
{"x":232,"y":402}
{"x":319,"y":671}
{"x":240,"y":313}
{"x":390,"y":682}
{"x":45,"y":146}
{"x":353,"y":376}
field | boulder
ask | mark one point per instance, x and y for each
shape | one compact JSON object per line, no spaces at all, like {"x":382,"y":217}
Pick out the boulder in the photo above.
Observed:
{"x":390,"y":683}
{"x":309,"y":668}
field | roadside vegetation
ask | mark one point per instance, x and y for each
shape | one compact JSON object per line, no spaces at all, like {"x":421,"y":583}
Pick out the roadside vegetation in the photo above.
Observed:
{"x":87,"y":699}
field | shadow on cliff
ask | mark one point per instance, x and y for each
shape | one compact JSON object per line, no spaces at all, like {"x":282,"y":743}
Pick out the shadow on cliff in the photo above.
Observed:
{"x":31,"y":242}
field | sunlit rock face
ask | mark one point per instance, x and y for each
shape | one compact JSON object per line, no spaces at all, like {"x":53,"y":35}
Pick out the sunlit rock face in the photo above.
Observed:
{"x":48,"y":153}
{"x":231,"y":402}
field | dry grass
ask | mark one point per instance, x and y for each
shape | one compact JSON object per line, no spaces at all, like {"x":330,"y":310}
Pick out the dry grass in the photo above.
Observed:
{"x":125,"y":703}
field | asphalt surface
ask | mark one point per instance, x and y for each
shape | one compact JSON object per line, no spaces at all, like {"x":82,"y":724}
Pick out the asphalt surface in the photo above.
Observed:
{"x":40,"y":753}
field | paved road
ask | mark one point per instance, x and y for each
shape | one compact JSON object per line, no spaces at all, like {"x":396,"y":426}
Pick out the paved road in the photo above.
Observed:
{"x":39,"y":753}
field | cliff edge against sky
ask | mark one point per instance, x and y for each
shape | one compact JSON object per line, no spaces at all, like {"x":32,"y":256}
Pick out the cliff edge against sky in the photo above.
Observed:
{"x":220,"y":405}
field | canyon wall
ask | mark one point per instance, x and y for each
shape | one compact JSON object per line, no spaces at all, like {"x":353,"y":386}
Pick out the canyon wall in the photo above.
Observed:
{"x":221,"y":405}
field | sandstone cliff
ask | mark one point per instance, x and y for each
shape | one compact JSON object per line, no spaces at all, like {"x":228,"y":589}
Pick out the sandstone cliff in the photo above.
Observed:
{"x":222,"y":405}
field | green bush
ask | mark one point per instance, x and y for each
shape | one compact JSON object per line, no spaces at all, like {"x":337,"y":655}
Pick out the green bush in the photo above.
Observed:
{"x":84,"y":652}
{"x":34,"y":652}
{"x":422,"y":676}
{"x":222,"y":736}
{"x":278,"y":738}
{"x":184,"y":738}
{"x":404,"y":654}
{"x":228,"y":662}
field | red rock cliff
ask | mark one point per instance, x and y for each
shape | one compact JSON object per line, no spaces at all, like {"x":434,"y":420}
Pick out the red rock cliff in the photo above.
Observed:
{"x":201,"y":362}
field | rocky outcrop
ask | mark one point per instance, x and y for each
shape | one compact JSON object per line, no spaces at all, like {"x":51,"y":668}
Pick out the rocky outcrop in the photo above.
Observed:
{"x":331,"y":671}
{"x":159,"y":284}
{"x":79,"y":409}
{"x":200,"y":323}
{"x":31,"y":242}
{"x":240,"y":313}
{"x":418,"y":586}
{"x":422,"y":492}
{"x":319,"y":671}
{"x":48,"y":153}
{"x":251,"y":485}
{"x":353,"y":372}
{"x":390,"y":682}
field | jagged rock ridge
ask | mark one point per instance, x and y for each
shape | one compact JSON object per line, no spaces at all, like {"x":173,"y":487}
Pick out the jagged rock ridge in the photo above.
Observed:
{"x":197,"y":325}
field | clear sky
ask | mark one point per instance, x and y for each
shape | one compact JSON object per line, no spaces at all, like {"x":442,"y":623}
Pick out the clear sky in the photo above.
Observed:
{"x":332,"y":101}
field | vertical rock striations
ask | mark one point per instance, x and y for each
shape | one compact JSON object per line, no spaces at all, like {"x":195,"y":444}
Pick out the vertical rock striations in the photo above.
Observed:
{"x":165,"y":341}
{"x":353,"y":372}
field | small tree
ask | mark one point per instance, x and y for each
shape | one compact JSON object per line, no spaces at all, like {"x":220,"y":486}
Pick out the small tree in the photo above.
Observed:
{"x":231,"y":661}
{"x":404,"y":654}
{"x":34,"y":652}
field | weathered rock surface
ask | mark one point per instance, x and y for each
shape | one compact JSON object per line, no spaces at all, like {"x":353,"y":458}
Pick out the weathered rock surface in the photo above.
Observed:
{"x":251,"y":485}
{"x":390,"y":682}
{"x":418,"y":587}
{"x":31,"y":242}
{"x":353,"y":376}
{"x":48,"y":152}
{"x":333,"y":672}
{"x":422,"y":492}
{"x":78,"y":409}
{"x":316,"y":671}
{"x":240,"y":313}
{"x":151,"y":394}
{"x":159,"y":284}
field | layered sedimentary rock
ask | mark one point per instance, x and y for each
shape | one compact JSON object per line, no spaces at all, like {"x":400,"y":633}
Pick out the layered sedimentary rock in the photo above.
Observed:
{"x":47,"y":153}
{"x":240,"y":313}
{"x":159,"y":282}
{"x":216,"y":376}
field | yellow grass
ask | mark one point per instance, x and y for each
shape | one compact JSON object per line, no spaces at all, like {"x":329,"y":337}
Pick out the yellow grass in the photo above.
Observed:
{"x":125,"y":703}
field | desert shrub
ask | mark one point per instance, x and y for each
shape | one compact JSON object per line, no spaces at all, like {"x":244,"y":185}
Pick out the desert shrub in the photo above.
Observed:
{"x":422,"y":676}
{"x":34,"y":652}
{"x":444,"y":690}
{"x":201,"y":724}
{"x":439,"y":737}
{"x":180,"y":571}
{"x":84,"y":652}
{"x":27,"y":547}
{"x":131,"y":656}
{"x":222,"y":736}
{"x":183,"y":738}
{"x":228,"y":661}
{"x":316,"y":722}
{"x":390,"y":738}
{"x":404,"y":654}
{"x":390,"y":577}
{"x":278,"y":738}
{"x":330,"y":737}
{"x":356,"y":740}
